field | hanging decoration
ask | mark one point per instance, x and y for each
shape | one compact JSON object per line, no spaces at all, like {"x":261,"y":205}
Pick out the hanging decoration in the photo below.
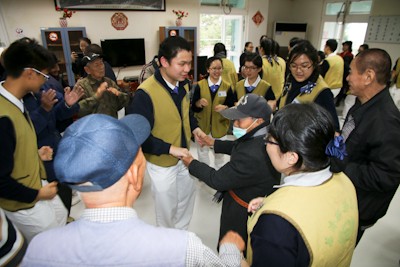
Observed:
{"x":258,"y":18}
{"x":119,"y":21}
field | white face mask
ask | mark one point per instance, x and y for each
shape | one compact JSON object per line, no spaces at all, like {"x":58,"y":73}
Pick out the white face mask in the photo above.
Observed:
{"x":239,"y":132}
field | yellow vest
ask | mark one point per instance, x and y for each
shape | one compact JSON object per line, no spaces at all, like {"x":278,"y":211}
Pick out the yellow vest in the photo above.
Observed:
{"x":274,"y":75}
{"x":229,"y":74}
{"x":326,"y":216}
{"x":334,"y":75}
{"x":168,"y":123}
{"x":208,"y":119}
{"x":28,"y":167}
{"x":306,"y":98}
{"x":261,"y":88}
{"x":398,"y":73}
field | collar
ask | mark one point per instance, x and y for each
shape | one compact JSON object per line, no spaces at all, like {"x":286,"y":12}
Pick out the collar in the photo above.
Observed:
{"x":107,"y":215}
{"x":10,"y":97}
{"x":170,"y":85}
{"x":211,"y":83}
{"x":246,"y":82}
{"x":93,"y":81}
{"x":307,"y":178}
{"x":358,"y":110}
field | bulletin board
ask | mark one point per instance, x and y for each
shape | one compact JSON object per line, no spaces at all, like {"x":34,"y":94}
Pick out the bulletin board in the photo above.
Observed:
{"x":383,"y":29}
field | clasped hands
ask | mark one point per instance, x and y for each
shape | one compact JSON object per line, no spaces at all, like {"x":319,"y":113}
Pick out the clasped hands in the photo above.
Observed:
{"x":183,"y":153}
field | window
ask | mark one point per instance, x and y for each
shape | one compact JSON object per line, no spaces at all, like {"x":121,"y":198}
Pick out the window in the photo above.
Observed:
{"x":345,"y":21}
{"x":233,"y":3}
{"x":227,"y":29}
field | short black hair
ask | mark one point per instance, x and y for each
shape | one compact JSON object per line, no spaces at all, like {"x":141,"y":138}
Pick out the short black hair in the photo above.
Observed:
{"x":377,"y":60}
{"x":332,"y":44}
{"x":305,"y":129}
{"x":294,"y":41}
{"x":255,"y":58}
{"x":211,"y":60}
{"x":365,"y":46}
{"x":85,"y":39}
{"x":219,"y":48}
{"x":93,"y":48}
{"x":26,"y":53}
{"x":170,"y":47}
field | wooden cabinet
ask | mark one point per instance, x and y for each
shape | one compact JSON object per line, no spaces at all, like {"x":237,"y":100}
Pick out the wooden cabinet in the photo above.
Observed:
{"x":62,"y":41}
{"x":190,"y":34}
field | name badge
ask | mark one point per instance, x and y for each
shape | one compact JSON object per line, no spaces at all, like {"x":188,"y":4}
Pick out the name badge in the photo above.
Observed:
{"x":222,"y":94}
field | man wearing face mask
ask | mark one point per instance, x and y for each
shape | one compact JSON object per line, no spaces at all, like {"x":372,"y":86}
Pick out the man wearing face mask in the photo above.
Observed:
{"x":249,"y":173}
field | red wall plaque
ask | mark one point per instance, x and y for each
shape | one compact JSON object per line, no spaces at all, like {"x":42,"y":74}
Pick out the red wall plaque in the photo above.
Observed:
{"x":119,"y":21}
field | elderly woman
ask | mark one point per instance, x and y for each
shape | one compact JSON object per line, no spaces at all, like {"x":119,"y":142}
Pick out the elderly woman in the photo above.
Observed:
{"x":304,"y":84}
{"x":312,"y":218}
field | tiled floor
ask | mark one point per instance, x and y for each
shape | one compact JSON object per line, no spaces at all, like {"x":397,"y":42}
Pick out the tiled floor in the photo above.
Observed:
{"x":380,"y":245}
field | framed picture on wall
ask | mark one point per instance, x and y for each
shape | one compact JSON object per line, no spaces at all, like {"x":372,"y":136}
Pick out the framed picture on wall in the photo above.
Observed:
{"x":138,"y":5}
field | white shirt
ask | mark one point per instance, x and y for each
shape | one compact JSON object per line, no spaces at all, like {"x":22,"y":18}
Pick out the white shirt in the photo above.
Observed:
{"x":210,"y":83}
{"x":19,"y":103}
{"x":307,"y":178}
{"x":246,"y":82}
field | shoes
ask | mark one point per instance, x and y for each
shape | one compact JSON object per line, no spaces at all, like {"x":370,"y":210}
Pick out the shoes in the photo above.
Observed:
{"x":70,"y":219}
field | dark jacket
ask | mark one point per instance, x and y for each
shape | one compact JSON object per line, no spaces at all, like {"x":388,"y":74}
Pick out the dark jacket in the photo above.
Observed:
{"x":373,"y":161}
{"x":249,"y":173}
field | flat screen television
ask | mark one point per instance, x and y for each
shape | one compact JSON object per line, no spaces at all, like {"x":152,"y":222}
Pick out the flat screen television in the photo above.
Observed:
{"x":124,"y":52}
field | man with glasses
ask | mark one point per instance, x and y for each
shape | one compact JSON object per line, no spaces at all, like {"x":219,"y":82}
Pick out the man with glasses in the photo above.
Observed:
{"x":102,"y":95}
{"x":22,"y":196}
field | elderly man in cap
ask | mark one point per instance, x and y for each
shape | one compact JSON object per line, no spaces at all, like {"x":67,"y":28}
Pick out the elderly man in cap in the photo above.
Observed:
{"x":249,"y":172}
{"x":102,"y":95}
{"x":109,"y":233}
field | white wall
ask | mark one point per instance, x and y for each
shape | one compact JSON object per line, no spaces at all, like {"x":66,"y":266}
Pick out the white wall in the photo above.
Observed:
{"x":387,"y":8}
{"x":30,"y":16}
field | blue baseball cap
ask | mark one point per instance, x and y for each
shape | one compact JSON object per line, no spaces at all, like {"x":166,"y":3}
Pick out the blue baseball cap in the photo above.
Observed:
{"x":97,"y":150}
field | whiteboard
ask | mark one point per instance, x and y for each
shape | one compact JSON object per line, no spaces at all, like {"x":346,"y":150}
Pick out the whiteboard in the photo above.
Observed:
{"x":383,"y":29}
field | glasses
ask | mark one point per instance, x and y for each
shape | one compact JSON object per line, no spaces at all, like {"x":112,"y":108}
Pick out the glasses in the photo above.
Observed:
{"x":39,"y":72}
{"x":302,"y":67}
{"x":216,"y":69}
{"x":268,"y":141}
{"x":249,"y":68}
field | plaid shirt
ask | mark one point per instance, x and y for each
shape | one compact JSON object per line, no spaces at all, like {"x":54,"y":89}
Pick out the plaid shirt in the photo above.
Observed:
{"x":197,"y":253}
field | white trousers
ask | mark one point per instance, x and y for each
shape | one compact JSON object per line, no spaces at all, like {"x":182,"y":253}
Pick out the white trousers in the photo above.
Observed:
{"x":395,"y":93}
{"x":203,"y":153}
{"x":174,"y":193}
{"x":46,"y":214}
{"x":349,"y":101}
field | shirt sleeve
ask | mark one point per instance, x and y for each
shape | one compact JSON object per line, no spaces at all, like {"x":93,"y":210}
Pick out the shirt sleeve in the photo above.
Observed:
{"x":269,"y":95}
{"x":325,"y":99}
{"x":198,"y":254}
{"x":275,"y":242}
{"x":9,"y":187}
{"x":324,"y":67}
{"x":196,"y":97}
